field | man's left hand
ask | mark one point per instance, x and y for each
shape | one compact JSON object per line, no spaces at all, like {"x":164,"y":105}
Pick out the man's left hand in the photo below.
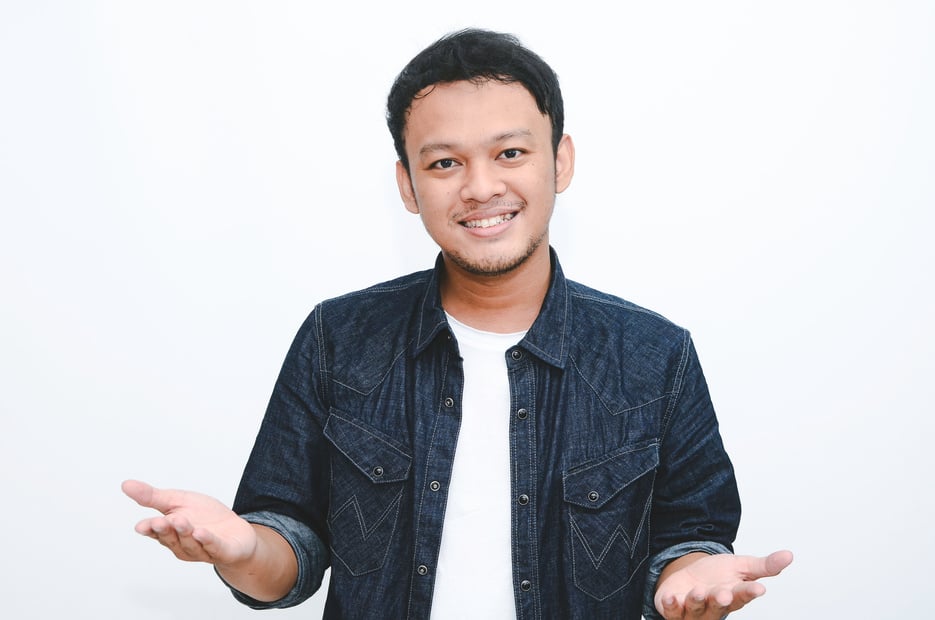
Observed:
{"x":708,"y":587}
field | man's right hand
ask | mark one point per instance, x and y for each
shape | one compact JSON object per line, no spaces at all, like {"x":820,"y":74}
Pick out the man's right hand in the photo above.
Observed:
{"x":195,"y":527}
{"x":253,"y":559}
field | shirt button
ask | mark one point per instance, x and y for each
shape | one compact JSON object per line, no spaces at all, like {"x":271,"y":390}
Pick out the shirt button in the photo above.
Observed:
{"x":449,"y":402}
{"x":521,"y":414}
{"x":434,"y":485}
{"x":377,"y":471}
{"x":516,"y":354}
{"x":593,"y":496}
{"x":525,"y":585}
{"x":523,"y":499}
{"x":423,"y":569}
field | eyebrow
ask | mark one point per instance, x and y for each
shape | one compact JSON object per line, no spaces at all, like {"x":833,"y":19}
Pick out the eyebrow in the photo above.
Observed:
{"x":446,"y":146}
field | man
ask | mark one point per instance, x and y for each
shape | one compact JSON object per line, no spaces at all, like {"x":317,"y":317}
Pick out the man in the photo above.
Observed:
{"x":486,"y":439}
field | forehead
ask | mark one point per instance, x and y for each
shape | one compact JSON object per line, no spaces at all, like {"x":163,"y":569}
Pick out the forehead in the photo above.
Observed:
{"x":464,"y":108}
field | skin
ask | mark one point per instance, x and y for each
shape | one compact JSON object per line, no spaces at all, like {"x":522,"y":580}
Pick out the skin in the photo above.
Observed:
{"x":254,"y":559}
{"x":708,"y":587}
{"x":477,"y":152}
{"x":484,"y":152}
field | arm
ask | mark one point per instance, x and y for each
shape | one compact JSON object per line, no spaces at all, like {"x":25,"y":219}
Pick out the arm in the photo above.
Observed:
{"x":696,"y":513}
{"x":254,"y":559}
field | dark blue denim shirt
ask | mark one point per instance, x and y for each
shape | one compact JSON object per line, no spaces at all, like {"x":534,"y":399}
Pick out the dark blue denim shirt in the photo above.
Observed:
{"x":616,"y":463}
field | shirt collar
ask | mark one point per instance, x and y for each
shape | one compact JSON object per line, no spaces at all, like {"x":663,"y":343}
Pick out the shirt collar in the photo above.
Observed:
{"x":547,"y":339}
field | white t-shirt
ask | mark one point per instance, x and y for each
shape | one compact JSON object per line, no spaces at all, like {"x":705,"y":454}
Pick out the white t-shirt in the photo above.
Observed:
{"x":474,"y":577}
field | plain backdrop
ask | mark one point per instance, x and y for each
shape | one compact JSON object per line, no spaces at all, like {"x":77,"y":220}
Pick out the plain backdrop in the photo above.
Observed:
{"x":180,"y":182}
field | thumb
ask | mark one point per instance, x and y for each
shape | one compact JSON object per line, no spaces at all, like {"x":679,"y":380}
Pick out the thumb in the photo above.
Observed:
{"x":146,"y":495}
{"x":771,"y":565}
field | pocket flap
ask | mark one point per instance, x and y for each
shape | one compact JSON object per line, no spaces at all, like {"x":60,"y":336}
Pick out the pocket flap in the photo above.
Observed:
{"x":594,"y":483}
{"x":368,"y":449}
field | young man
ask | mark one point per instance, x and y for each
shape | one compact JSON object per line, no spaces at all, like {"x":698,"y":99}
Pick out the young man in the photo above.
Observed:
{"x":486,"y":439}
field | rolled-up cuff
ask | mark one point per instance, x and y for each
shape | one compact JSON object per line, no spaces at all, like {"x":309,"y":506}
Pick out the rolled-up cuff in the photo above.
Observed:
{"x":658,"y":562}
{"x":311,"y":554}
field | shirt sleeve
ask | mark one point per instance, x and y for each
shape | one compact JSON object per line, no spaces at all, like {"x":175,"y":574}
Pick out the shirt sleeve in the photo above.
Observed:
{"x":311,"y":554}
{"x":696,"y":505}
{"x":285,"y":482}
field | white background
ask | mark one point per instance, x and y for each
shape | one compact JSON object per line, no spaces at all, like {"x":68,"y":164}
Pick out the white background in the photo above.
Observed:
{"x":181,"y":181}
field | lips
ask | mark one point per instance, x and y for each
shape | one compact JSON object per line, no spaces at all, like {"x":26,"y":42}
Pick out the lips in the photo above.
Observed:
{"x":489,"y":221}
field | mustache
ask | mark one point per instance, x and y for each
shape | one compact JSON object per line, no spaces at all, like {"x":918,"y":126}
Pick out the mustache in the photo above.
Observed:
{"x":498,"y":203}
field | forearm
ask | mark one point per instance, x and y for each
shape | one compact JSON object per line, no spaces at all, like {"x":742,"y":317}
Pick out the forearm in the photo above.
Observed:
{"x":270,"y":573}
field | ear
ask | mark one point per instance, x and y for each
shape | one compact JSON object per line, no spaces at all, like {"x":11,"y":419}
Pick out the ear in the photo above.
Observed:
{"x":406,"y":192}
{"x":564,"y":163}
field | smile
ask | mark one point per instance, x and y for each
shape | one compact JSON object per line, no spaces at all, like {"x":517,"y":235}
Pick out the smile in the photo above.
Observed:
{"x":488,"y":222}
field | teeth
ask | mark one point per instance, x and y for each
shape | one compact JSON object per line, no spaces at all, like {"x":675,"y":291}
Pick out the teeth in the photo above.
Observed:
{"x":490,"y":221}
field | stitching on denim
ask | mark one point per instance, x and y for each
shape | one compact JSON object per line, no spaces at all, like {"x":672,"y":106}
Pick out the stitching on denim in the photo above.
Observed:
{"x":613,"y":455}
{"x":620,"y":303}
{"x":563,"y":333}
{"x":534,"y":477}
{"x":603,"y":402}
{"x":371,"y":433}
{"x":677,"y":383}
{"x":514,"y":487}
{"x":322,"y":359}
{"x":399,"y":284}
{"x":397,"y":502}
{"x":379,"y":382}
{"x":428,"y":459}
{"x":353,"y":503}
{"x":619,"y":532}
{"x":424,"y":300}
{"x":597,"y":560}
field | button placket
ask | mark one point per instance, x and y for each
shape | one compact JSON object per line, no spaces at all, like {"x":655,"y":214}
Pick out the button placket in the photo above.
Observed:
{"x":523,"y":380}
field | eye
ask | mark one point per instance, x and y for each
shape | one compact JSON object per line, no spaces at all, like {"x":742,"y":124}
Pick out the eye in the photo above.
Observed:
{"x":443,"y":164}
{"x":511,"y":153}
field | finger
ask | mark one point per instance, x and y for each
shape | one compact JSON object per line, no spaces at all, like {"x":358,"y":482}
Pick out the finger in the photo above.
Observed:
{"x":719,"y":603}
{"x":187,"y":545}
{"x":174,"y":533}
{"x":138,"y":491}
{"x":207,"y":540}
{"x":721,"y":600}
{"x":744,"y":592}
{"x":145,"y":527}
{"x":695,"y":603}
{"x":163,"y":500}
{"x":777,"y":561}
{"x":671,"y":610}
{"x":768,"y":566}
{"x":163,"y":532}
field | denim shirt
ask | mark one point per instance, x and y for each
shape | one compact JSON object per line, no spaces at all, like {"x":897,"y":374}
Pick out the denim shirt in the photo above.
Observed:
{"x":616,"y":463}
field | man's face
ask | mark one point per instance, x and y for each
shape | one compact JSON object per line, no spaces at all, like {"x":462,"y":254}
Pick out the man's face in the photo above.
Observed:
{"x":483,"y":176}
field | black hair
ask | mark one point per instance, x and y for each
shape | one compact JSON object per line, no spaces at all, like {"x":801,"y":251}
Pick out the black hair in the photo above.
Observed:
{"x":474,"y":55}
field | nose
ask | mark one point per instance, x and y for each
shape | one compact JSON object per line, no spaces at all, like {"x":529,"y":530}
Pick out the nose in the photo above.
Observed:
{"x":482,"y":183}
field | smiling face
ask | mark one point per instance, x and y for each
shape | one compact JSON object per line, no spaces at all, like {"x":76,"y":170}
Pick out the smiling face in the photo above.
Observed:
{"x":483,"y":175}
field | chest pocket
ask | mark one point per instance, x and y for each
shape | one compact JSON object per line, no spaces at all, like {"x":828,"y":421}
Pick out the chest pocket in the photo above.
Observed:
{"x":608,"y":502}
{"x":368,"y":476}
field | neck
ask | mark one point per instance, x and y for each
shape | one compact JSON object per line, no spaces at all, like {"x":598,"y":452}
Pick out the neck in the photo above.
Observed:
{"x":505,"y":303}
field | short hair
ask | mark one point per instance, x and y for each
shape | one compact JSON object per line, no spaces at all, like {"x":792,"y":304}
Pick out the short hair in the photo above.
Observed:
{"x":474,"y":55}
